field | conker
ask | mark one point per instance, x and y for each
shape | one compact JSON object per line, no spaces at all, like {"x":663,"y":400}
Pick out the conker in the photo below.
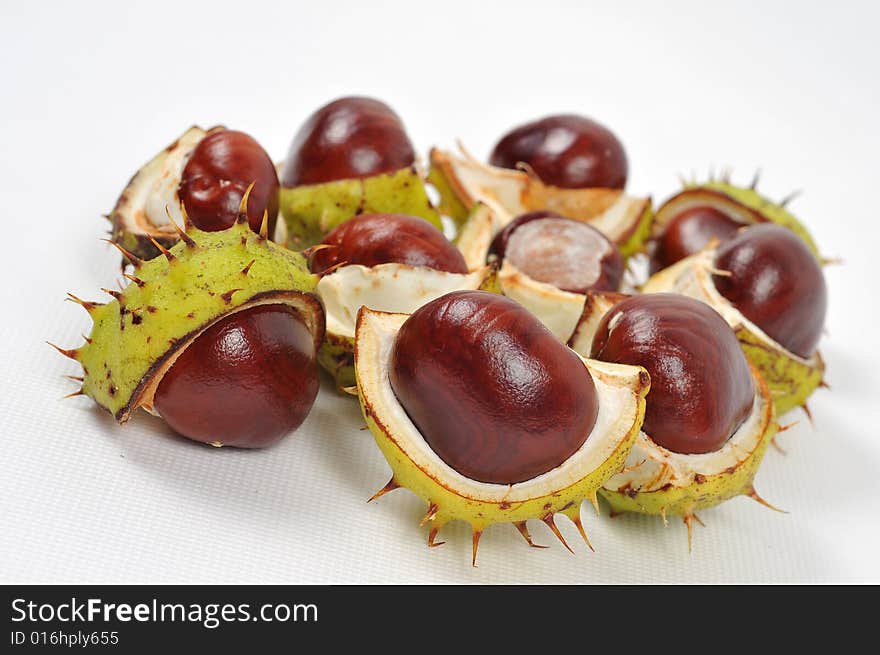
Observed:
{"x":777,"y":283}
{"x":571,"y":255}
{"x":689,"y":232}
{"x":701,"y":386}
{"x":372,"y":239}
{"x":350,"y":138}
{"x":491,"y":390}
{"x":246,"y":381}
{"x":216,"y":176}
{"x":568,"y":151}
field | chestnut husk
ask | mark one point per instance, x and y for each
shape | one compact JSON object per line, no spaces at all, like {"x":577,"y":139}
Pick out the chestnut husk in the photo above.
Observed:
{"x":174,"y":298}
{"x":451,"y":496}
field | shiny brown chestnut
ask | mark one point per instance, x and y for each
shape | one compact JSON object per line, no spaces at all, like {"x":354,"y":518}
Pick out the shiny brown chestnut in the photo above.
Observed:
{"x":701,"y":385}
{"x":571,"y":255}
{"x":777,"y":283}
{"x":568,"y":151}
{"x":690,"y":232}
{"x":494,"y":394}
{"x":246,"y":381}
{"x":372,"y":239}
{"x":349,"y":138}
{"x":217,"y":175}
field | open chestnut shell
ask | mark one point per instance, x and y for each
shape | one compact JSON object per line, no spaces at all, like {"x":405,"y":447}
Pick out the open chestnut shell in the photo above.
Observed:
{"x":571,"y":255}
{"x":567,"y":151}
{"x":246,"y":381}
{"x":494,"y":394}
{"x":690,"y":232}
{"x":350,"y":138}
{"x":769,"y":274}
{"x":372,"y":239}
{"x":701,"y":386}
{"x":217,"y":175}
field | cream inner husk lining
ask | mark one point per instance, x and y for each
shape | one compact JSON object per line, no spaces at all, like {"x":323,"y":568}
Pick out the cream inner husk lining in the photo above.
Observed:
{"x":387,"y":288}
{"x":651,"y":467}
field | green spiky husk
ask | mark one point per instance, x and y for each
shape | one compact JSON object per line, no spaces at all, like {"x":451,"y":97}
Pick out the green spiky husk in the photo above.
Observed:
{"x":311,"y":211}
{"x":681,"y":501}
{"x":140,"y":244}
{"x":153,"y":320}
{"x":708,"y":490}
{"x":451,"y":496}
{"x":452,"y":505}
{"x":479,"y":514}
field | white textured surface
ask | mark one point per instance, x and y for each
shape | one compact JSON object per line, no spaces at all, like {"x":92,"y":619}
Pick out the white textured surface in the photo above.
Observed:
{"x":90,"y":91}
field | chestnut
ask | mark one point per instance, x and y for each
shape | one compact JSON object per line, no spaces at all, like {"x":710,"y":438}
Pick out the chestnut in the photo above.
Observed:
{"x":701,"y":385}
{"x":494,"y":394}
{"x":769,"y":274}
{"x":218,"y":172}
{"x":349,"y":138}
{"x":371,"y":239}
{"x":246,"y":381}
{"x":568,"y":151}
{"x":688,"y":233}
{"x":571,"y":255}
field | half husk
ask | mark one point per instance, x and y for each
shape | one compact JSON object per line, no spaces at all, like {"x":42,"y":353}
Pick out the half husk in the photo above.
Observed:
{"x":450,"y":495}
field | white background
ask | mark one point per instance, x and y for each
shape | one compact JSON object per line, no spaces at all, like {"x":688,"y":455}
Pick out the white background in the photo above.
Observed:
{"x":90,"y":91}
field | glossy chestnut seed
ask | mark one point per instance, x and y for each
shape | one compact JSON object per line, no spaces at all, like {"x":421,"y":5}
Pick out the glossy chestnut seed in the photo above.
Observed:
{"x":372,"y":239}
{"x":571,"y":255}
{"x":246,"y":381}
{"x":690,"y":232}
{"x":776,"y":282}
{"x":568,"y":151}
{"x":494,"y":394}
{"x":349,"y":138}
{"x":701,"y":386}
{"x":216,"y":176}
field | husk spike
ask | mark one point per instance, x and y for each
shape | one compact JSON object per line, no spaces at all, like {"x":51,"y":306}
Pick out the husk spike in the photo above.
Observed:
{"x":430,"y":514}
{"x":751,"y":493}
{"x":551,"y":523}
{"x":523,"y":529}
{"x":133,"y":259}
{"x":391,"y":486}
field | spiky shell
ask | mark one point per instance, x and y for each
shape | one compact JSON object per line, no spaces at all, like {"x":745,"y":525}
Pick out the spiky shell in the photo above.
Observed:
{"x":175,"y":297}
{"x":792,"y":379}
{"x":387,"y":287}
{"x":744,"y":204}
{"x":311,"y":211}
{"x":659,"y":481}
{"x":462,"y":182}
{"x":450,"y":495}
